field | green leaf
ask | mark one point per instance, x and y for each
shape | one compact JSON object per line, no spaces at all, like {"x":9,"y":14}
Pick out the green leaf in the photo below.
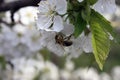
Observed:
{"x":2,"y":62}
{"x":100,"y":43}
{"x":92,"y":1}
{"x":86,"y":11}
{"x":86,"y":14}
{"x":105,"y":24}
{"x":80,"y":25}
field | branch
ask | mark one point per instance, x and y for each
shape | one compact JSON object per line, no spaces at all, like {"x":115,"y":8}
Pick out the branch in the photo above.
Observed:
{"x":23,"y":3}
{"x":16,"y":5}
{"x":117,"y":2}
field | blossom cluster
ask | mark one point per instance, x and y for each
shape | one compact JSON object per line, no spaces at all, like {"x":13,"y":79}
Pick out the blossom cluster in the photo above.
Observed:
{"x":55,"y":32}
{"x":22,"y":43}
{"x":50,"y":16}
{"x":53,"y":21}
{"x":39,"y":69}
{"x":22,"y":39}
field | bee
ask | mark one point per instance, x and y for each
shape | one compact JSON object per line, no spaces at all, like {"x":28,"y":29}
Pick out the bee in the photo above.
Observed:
{"x":63,"y":40}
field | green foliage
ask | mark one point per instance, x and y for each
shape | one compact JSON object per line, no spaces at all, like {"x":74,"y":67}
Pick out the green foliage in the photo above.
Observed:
{"x":46,"y":54}
{"x":81,"y":15}
{"x":105,"y":24}
{"x":80,"y":25}
{"x":100,"y":39}
{"x":84,"y":60}
{"x":117,"y":38}
{"x":86,"y":13}
{"x":2,"y":62}
{"x":91,"y":2}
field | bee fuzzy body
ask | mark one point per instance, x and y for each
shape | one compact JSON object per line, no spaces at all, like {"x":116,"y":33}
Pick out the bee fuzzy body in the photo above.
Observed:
{"x":67,"y":43}
{"x":63,"y":40}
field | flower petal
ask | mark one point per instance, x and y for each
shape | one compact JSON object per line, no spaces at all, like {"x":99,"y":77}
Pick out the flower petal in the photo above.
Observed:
{"x":68,"y":29}
{"x":105,"y":6}
{"x":58,"y":24}
{"x":61,"y":6}
{"x":44,"y":22}
{"x":43,"y":6}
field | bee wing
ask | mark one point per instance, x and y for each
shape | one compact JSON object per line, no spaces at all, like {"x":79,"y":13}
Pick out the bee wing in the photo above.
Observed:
{"x":56,"y":48}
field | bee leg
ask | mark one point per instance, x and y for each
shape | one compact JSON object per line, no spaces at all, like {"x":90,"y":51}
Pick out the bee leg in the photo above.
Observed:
{"x":62,"y":47}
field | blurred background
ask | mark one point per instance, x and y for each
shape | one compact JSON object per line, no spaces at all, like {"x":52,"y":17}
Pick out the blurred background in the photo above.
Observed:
{"x":23,"y":58}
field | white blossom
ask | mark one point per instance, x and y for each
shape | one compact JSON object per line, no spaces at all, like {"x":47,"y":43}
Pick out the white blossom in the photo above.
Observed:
{"x":105,"y":76}
{"x":116,"y":73}
{"x":27,"y":15}
{"x":19,"y":41}
{"x":86,"y":74}
{"x":87,"y":44}
{"x":49,"y":72}
{"x":69,"y":65}
{"x":80,"y":0}
{"x":32,"y":39}
{"x":48,"y":40}
{"x":80,"y":44}
{"x":68,"y":29}
{"x":29,"y":69}
{"x":65,"y":75}
{"x":49,"y":18}
{"x":26,"y":69}
{"x":105,"y":6}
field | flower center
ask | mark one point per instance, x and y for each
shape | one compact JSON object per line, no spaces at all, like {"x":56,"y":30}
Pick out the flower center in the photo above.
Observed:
{"x":51,"y":11}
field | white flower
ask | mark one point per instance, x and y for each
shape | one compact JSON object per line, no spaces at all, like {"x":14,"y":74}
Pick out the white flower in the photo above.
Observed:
{"x":48,"y":39}
{"x":81,"y":44}
{"x":87,"y":43}
{"x":80,"y":0}
{"x":29,"y":69}
{"x":29,"y":36}
{"x":20,"y":50}
{"x":78,"y":45}
{"x":105,"y":6}
{"x":86,"y":74}
{"x":9,"y":35}
{"x":15,"y":43}
{"x":49,"y":18}
{"x":84,"y":42}
{"x":49,"y":72}
{"x":26,"y":69}
{"x":27,"y":15}
{"x":105,"y":76}
{"x":116,"y":73}
{"x":68,"y":29}
{"x":20,"y":29}
{"x":32,"y":39}
{"x":69,"y":65}
{"x":65,"y":75}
